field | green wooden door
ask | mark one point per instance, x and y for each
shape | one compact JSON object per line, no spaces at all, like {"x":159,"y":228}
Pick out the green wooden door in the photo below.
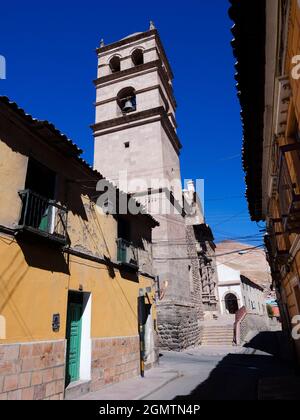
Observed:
{"x":73,"y":341}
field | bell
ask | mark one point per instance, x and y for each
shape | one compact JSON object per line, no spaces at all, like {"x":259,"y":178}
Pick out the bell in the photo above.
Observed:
{"x":128,"y":106}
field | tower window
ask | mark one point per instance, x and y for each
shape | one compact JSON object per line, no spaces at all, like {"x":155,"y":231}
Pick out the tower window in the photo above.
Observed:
{"x":137,"y":57}
{"x":115,"y":64}
{"x":127,"y":100}
{"x":127,"y":145}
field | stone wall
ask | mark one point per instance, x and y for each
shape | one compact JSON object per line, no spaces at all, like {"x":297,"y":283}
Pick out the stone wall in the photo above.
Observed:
{"x":32,"y":371}
{"x":178,"y":327}
{"x":114,"y":360}
{"x":251,"y":325}
{"x":195,"y":279}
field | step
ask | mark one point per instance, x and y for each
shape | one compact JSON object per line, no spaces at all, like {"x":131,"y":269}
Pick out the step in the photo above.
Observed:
{"x":217,"y":344}
{"x":77,"y":389}
{"x":218,"y":335}
{"x":218,"y":338}
{"x":221,"y":343}
{"x":212,"y":327}
{"x":217,"y":332}
{"x":215,"y":337}
{"x":218,"y":328}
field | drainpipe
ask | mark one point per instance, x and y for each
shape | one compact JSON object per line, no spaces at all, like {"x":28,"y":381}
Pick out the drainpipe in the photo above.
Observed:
{"x":141,"y":303}
{"x":157,"y":288}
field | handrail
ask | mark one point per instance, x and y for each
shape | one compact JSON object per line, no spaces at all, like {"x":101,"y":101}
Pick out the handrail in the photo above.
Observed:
{"x":50,"y":201}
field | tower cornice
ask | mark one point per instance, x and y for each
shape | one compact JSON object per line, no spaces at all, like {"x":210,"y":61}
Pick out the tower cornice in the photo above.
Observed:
{"x":138,"y":118}
{"x":157,"y":64}
{"x":137,"y":37}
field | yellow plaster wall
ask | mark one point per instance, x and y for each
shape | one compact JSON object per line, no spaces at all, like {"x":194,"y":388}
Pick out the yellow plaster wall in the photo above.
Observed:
{"x":114,"y":300}
{"x":30,"y":295}
{"x":13,"y":168}
{"x":95,"y":231}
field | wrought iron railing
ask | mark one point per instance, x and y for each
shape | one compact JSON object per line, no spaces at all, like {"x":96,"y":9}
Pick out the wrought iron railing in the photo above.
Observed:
{"x":43,"y":216}
{"x":127,"y":253}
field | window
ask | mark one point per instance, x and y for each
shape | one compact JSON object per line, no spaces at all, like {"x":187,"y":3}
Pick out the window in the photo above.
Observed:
{"x":127,"y":145}
{"x":137,"y":57}
{"x":115,"y":64}
{"x":127,"y":100}
{"x":40,"y":213}
{"x":40,"y":179}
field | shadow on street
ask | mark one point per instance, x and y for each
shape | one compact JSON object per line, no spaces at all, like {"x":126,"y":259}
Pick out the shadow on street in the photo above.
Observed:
{"x":274,"y":343}
{"x":237,"y":376}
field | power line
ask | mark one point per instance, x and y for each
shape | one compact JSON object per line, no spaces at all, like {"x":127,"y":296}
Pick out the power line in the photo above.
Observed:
{"x":211,"y":256}
{"x":229,"y":219}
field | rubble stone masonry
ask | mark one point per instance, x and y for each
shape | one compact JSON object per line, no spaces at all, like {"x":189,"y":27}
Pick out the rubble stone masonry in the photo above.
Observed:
{"x":32,"y":371}
{"x":178,"y":326}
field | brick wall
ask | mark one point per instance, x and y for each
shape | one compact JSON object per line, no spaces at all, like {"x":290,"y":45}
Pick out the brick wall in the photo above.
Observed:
{"x":33,"y":371}
{"x":114,"y":360}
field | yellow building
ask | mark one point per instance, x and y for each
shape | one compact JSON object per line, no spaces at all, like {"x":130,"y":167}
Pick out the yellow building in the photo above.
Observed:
{"x":268,"y":74}
{"x":75,"y":280}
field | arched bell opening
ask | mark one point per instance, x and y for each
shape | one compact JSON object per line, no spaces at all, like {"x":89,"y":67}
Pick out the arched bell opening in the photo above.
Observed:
{"x":137,"y":57}
{"x":127,"y":100}
{"x":115,"y":64}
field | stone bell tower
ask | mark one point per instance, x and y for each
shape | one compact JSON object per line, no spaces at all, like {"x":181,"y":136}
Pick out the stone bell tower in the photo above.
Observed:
{"x":135,"y":131}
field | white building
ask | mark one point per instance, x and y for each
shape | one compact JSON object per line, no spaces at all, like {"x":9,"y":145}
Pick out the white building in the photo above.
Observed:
{"x":236,"y":291}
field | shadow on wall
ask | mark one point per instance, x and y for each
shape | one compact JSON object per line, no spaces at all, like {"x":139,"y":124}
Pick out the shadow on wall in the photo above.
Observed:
{"x":43,"y":256}
{"x":237,"y":376}
{"x":68,"y":189}
{"x":129,"y":275}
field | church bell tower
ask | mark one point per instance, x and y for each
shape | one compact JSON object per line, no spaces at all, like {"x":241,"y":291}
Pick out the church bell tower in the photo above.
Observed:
{"x":135,"y":131}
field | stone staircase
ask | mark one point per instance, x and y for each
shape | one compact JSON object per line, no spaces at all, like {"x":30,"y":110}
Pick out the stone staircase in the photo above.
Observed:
{"x":218,"y":332}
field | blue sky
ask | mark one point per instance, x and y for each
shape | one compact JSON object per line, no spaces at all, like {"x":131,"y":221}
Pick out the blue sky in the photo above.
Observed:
{"x":50,"y":46}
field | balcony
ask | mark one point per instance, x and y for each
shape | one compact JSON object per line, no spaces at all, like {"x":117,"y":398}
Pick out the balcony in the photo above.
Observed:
{"x":127,"y":254}
{"x":278,"y":253}
{"x":289,"y":192}
{"x":43,"y":217}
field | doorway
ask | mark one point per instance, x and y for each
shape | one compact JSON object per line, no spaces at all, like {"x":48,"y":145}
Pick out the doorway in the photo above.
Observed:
{"x":73,"y":336}
{"x":231,"y":304}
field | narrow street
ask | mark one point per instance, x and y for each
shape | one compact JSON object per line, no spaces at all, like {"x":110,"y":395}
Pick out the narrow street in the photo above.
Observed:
{"x":224,"y":374}
{"x":216,"y":373}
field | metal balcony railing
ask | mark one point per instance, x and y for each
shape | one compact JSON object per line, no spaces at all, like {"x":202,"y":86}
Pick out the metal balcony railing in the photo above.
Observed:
{"x":127,"y":253}
{"x":43,"y":216}
{"x":288,"y":191}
